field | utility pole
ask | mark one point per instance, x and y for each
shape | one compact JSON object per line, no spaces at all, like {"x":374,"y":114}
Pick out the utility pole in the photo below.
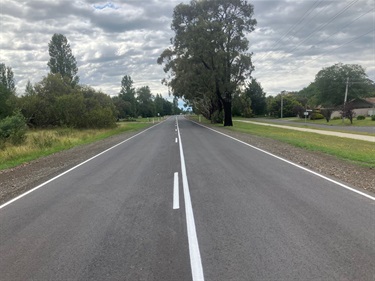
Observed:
{"x":345,"y":98}
{"x":346,"y":90}
{"x":281,"y":105}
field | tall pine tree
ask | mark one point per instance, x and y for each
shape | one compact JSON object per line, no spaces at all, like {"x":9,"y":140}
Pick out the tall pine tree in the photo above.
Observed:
{"x":61,"y":58}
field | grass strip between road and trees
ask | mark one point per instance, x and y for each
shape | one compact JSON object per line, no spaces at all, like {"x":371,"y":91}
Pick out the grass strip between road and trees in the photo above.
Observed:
{"x":43,"y":142}
{"x":334,"y":125}
{"x":356,"y":151}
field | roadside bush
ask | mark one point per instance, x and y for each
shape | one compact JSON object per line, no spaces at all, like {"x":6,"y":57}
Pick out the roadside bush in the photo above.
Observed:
{"x":336,"y":118}
{"x":13,"y":129}
{"x":100,"y":118}
{"x":361,"y":117}
{"x":373,"y":117}
{"x":316,"y":116}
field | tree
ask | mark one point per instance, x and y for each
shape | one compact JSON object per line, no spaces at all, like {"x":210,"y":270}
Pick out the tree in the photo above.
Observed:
{"x":29,"y":89}
{"x":40,"y":106}
{"x":145,"y":102}
{"x":7,"y":91}
{"x":7,"y":78}
{"x":53,"y":102}
{"x":127,"y":94}
{"x":331,"y":83}
{"x":308,"y":96}
{"x":347,"y":111}
{"x":255,"y":93}
{"x":61,"y":58}
{"x":290,"y":105}
{"x":167,"y":107}
{"x":99,"y":110}
{"x":241,"y":105}
{"x":209,"y":59}
{"x":159,"y":103}
{"x":122,"y":107}
{"x":175,"y":109}
{"x":326,"y":112}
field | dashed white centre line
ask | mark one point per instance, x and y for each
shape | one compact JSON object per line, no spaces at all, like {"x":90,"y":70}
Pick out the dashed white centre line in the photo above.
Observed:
{"x":195,"y":256}
{"x":176,"y":197}
{"x":176,"y":140}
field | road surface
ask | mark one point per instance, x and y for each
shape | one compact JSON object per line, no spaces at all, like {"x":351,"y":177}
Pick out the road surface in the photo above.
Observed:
{"x":182,"y":202}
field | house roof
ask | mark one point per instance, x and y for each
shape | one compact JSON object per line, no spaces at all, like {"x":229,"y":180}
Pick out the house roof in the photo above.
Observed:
{"x":362,"y":102}
{"x":370,"y":100}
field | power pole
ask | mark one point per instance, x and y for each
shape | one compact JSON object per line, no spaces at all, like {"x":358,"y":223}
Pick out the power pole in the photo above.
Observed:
{"x":281,"y":105}
{"x":345,"y":98}
{"x":346,"y":91}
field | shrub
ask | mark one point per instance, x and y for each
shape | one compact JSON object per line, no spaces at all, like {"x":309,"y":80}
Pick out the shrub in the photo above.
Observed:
{"x":373,"y":117}
{"x":316,"y":116}
{"x":361,"y":117}
{"x":13,"y":129}
{"x":100,"y":118}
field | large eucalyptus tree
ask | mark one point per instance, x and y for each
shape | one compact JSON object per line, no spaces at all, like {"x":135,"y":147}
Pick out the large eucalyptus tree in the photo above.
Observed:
{"x":209,"y":58}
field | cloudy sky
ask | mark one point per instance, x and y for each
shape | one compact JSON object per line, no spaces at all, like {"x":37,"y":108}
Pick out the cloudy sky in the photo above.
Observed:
{"x":293,"y":39}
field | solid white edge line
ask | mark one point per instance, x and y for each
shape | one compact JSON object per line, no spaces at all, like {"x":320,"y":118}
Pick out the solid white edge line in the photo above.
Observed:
{"x":73,"y":168}
{"x":291,"y":163}
{"x":176,"y":196}
{"x":195,"y":256}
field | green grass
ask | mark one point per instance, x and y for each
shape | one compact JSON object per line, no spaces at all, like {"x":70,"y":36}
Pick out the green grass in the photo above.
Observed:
{"x":338,"y":122}
{"x":41,"y":143}
{"x":355,"y":151}
{"x":334,"y":126}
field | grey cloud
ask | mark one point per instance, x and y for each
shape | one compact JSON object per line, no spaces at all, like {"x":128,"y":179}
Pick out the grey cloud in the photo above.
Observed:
{"x":110,"y":43}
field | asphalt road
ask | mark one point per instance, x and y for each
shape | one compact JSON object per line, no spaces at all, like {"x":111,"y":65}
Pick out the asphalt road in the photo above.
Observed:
{"x":243,"y":215}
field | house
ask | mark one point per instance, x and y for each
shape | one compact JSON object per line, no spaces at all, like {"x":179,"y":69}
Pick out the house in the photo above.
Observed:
{"x":361,"y":106}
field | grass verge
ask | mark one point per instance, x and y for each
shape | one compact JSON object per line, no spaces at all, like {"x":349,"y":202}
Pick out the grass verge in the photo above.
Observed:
{"x":356,"y":151}
{"x":335,"y":126}
{"x":40,"y":143}
{"x":367,"y":122}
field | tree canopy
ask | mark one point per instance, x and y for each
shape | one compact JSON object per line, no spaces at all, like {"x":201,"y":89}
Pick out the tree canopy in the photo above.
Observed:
{"x":61,"y":58}
{"x":255,"y":93}
{"x":7,"y":90}
{"x":146,"y":106}
{"x":331,"y":83}
{"x":209,"y":59}
{"x":127,"y":96}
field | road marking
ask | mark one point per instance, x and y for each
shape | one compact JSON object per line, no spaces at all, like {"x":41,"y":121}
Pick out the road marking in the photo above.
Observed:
{"x":195,"y":256}
{"x":176,"y":140}
{"x":294,"y":164}
{"x":75,"y":167}
{"x":176,"y":197}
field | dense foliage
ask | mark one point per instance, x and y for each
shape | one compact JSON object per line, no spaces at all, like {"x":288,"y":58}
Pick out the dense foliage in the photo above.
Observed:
{"x":59,"y":101}
{"x":331,"y":84}
{"x":7,"y":90}
{"x":209,"y":60}
{"x":12,"y":129}
{"x":54,"y":102}
{"x":61,"y":58}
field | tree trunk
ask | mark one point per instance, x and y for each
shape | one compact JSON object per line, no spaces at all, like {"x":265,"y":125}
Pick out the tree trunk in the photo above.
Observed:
{"x":227,"y":112}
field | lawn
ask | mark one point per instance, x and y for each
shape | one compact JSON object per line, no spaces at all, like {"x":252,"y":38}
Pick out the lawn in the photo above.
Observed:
{"x":339,"y":122}
{"x":356,"y":151}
